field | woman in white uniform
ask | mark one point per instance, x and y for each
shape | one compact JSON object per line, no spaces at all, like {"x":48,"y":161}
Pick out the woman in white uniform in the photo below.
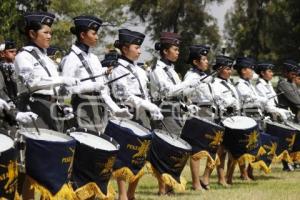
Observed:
{"x":38,"y":73}
{"x":132,"y":91}
{"x":90,"y":97}
{"x":202,"y":97}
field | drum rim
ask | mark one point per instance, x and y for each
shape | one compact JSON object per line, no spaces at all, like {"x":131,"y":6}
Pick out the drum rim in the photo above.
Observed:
{"x":102,"y":136}
{"x":120,"y":121}
{"x":58,"y":134}
{"x":244,"y":128}
{"x":281,"y":125}
{"x":12,"y":141}
{"x":177,"y":138}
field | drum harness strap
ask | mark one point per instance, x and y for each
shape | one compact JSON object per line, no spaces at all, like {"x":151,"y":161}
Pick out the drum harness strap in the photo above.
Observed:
{"x":137,"y":78}
{"x":41,"y":61}
{"x":89,"y":71}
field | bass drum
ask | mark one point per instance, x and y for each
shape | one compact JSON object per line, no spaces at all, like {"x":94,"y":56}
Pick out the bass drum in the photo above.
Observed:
{"x":8,"y":168}
{"x":93,"y":165}
{"x":168,"y":156}
{"x":241,"y":136}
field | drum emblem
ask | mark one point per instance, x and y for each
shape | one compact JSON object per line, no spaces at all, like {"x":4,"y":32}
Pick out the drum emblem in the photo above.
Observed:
{"x":272,"y":148}
{"x":108,"y":166}
{"x":69,"y":160}
{"x":291,"y":140}
{"x":12,"y":173}
{"x":142,"y":150}
{"x":216,"y":139}
{"x":252,"y":140}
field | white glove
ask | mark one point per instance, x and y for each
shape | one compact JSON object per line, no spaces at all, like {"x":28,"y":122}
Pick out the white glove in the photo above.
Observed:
{"x":68,"y":112}
{"x":156,"y":115}
{"x":4,"y":105}
{"x":152,"y":108}
{"x":193,"y":109}
{"x":26,"y":117}
{"x":147,"y":105}
{"x":70,"y":81}
{"x":123,"y":113}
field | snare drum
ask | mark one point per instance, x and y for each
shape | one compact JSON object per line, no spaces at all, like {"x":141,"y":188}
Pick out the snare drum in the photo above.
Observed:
{"x":134,"y":142}
{"x":241,"y":136}
{"x":48,"y":163}
{"x":8,"y":168}
{"x":168,"y":156}
{"x":202,"y":135}
{"x":93,"y":165}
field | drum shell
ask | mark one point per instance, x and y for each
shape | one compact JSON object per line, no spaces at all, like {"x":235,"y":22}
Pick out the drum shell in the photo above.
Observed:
{"x":90,"y":165}
{"x":236,"y":141}
{"x":133,"y":148}
{"x":200,"y":133}
{"x":283,"y":133}
{"x":49,"y":162}
{"x":268,"y":142}
{"x":8,"y":173}
{"x":167,"y":158}
{"x":296,"y":146}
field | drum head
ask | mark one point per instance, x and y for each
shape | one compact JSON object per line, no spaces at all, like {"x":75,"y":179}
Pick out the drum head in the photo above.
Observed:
{"x":239,"y":122}
{"x":46,"y":135}
{"x":135,"y":127}
{"x":5,"y":143}
{"x":172,"y":140}
{"x":94,"y":141}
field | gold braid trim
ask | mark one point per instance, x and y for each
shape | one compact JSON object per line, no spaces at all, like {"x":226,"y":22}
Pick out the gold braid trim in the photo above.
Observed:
{"x":127,"y":174}
{"x":211,"y":163}
{"x":65,"y":192}
{"x":295,"y":156}
{"x":168,"y":179}
{"x":92,"y":190}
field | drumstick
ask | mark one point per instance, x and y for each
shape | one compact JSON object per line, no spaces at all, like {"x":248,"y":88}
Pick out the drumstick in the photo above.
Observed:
{"x":168,"y":131}
{"x":35,"y":125}
{"x":92,"y":77}
{"x":280,"y":93}
{"x":212,"y":73}
{"x":111,"y":81}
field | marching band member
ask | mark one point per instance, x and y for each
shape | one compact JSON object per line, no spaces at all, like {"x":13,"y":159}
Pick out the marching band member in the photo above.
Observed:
{"x":290,"y":99}
{"x":166,"y":87}
{"x":201,"y":97}
{"x":249,"y":99}
{"x":81,"y":63}
{"x":7,"y":68}
{"x":227,"y":99}
{"x":167,"y":91}
{"x":132,"y":91}
{"x":247,"y":93}
{"x":265,"y":89}
{"x":38,"y":72}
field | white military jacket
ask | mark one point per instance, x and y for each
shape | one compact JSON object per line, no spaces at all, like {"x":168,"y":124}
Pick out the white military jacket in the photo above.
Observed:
{"x":248,"y":94}
{"x":164,"y":85}
{"x":132,"y":86}
{"x":31,"y":71}
{"x":225,"y":94}
{"x":266,"y":90}
{"x":202,"y":94}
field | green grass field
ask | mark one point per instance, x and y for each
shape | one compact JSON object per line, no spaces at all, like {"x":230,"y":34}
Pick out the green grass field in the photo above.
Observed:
{"x":276,"y":185}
